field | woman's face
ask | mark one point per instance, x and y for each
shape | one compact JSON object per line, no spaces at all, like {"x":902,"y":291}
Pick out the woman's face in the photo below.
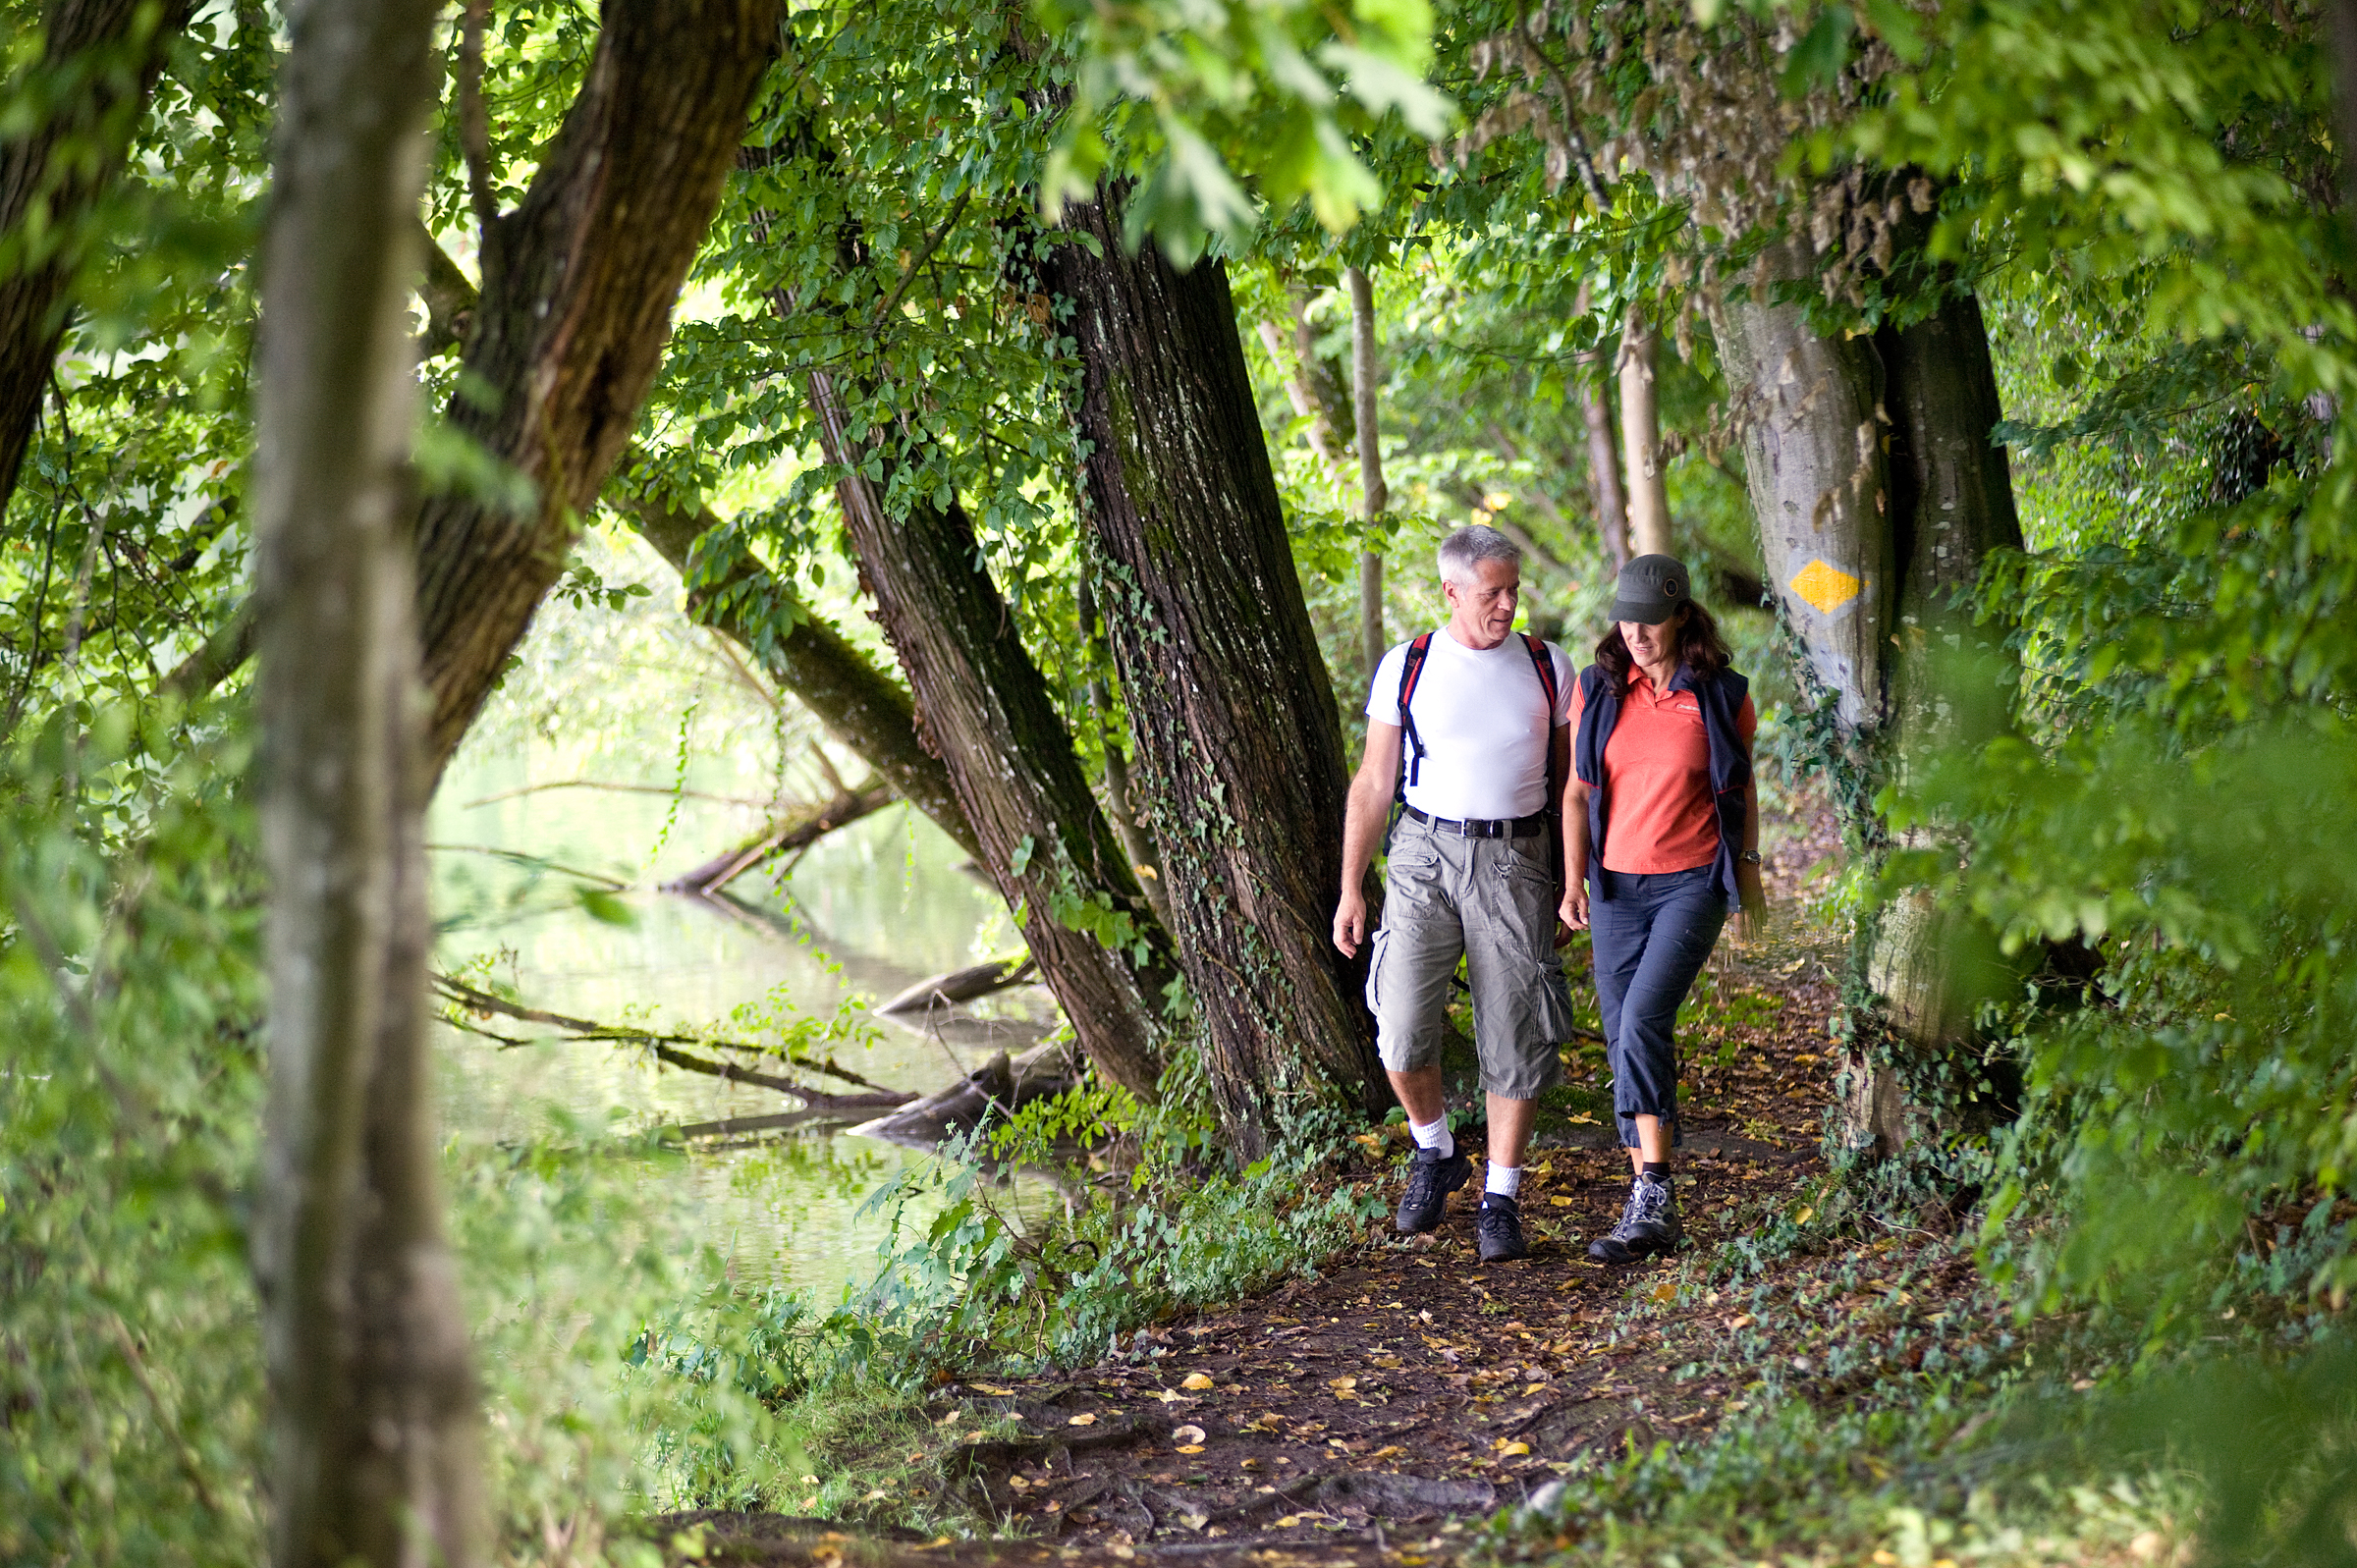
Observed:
{"x":1651,"y":645}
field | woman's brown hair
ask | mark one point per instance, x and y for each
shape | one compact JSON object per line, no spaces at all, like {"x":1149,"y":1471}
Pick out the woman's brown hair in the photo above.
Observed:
{"x":1700,"y":648}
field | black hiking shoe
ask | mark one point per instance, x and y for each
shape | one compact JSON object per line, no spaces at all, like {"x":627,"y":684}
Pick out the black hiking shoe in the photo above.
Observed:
{"x":1498,"y":1229}
{"x":1648,"y":1225}
{"x":1430,"y":1181}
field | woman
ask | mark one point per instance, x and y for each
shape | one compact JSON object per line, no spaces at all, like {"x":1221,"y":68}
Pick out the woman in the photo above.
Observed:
{"x":1662,"y":828}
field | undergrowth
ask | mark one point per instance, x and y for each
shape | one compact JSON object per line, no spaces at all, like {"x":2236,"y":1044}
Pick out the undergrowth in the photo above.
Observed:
{"x":824,"y":1413}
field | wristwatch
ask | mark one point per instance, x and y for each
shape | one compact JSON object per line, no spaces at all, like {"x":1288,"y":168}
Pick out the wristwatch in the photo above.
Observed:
{"x":1749,"y":858}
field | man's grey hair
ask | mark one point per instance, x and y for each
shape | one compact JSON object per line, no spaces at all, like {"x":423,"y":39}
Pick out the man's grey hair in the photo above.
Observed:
{"x":1465,"y":550}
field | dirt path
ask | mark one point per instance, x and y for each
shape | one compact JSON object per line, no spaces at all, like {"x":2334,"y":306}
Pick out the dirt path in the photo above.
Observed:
{"x":1368,"y":1415}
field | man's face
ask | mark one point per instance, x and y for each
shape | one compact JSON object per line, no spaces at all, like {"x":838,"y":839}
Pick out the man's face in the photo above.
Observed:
{"x":1481,"y":612}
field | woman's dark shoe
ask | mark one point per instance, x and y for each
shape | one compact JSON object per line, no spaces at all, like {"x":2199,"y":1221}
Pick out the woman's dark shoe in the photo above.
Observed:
{"x":1648,"y":1225}
{"x":1430,"y":1181}
{"x":1498,"y":1229}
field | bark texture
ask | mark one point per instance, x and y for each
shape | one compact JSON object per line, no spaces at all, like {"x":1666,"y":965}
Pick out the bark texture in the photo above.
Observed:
{"x":1374,"y":497}
{"x":859,"y":705}
{"x":1604,"y":466}
{"x":373,"y":1402}
{"x":1878,"y":494}
{"x":579,"y":285}
{"x":1952,"y":502}
{"x":1813,"y":465}
{"x":100,"y":58}
{"x":1641,"y":439}
{"x":1237,"y":739}
{"x":987,"y":714}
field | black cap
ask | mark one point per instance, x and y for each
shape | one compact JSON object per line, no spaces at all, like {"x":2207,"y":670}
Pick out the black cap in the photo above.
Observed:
{"x":1651,"y":589}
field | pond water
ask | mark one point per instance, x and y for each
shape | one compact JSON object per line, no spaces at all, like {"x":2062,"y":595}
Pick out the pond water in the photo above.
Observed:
{"x":867,"y":911}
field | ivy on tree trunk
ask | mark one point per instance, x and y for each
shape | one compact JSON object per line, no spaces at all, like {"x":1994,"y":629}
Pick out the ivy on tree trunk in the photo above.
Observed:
{"x":987,"y":714}
{"x":1878,"y":494}
{"x":1238,"y":745}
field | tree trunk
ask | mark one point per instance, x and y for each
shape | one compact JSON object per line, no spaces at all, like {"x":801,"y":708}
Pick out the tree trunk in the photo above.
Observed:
{"x":1641,"y":437}
{"x":372,"y":1396}
{"x":1119,"y":801}
{"x":1307,"y":386}
{"x":1813,"y":463}
{"x":1229,"y":698}
{"x":986,"y":712}
{"x":1373,"y":498}
{"x":578,"y":284}
{"x":1604,"y":462}
{"x":1865,"y":551}
{"x":105,"y":55}
{"x":858,"y":704}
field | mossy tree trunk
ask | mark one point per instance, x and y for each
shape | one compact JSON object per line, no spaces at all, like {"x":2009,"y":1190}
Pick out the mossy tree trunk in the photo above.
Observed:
{"x":986,"y":712}
{"x":1879,"y":496}
{"x":1237,"y":740}
{"x":375,"y":1448}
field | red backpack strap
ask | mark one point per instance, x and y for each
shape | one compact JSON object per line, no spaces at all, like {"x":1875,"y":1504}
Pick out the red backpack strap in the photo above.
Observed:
{"x":1543,"y":662}
{"x":1411,"y":671}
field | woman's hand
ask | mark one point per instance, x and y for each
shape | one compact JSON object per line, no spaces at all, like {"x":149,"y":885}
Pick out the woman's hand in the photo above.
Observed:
{"x":1573,"y":912}
{"x":1753,"y":924}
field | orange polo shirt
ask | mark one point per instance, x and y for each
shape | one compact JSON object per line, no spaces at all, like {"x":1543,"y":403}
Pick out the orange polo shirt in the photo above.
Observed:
{"x":1657,"y":780}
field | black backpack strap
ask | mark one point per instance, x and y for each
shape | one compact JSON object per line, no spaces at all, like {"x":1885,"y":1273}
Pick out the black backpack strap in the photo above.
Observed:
{"x":1411,"y":671}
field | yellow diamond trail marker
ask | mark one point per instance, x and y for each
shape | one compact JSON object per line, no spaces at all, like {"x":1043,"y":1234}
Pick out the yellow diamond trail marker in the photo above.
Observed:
{"x":1826,"y":588}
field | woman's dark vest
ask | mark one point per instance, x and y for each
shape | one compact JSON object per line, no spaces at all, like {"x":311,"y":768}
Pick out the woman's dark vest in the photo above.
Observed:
{"x":1721,"y":698}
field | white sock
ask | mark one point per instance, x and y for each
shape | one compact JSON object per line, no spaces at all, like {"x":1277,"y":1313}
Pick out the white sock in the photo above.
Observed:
{"x":1433,"y":1135}
{"x":1504,"y":1180}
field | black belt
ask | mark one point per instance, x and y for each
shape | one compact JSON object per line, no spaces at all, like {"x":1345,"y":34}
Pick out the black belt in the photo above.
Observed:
{"x":1493,"y":828}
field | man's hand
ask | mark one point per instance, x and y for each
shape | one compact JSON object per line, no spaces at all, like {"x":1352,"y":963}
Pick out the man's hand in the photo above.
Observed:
{"x":1351,"y":922}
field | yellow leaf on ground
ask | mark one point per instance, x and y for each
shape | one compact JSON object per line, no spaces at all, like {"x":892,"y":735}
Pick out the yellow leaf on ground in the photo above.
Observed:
{"x":1080,"y":1421}
{"x":1169,"y":1396}
{"x":1560,"y":1203}
{"x":989,"y":1388}
{"x":1186,"y":1435}
{"x":1667,"y":1290}
{"x":1388,"y":1452}
{"x":1191,"y":1449}
{"x":1342,"y":1385}
{"x":1506,"y":1450}
{"x":1289,"y":1520}
{"x":1195,"y":1379}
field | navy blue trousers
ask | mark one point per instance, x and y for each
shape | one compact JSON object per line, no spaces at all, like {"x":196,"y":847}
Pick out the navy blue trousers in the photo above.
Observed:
{"x":1650,"y":938}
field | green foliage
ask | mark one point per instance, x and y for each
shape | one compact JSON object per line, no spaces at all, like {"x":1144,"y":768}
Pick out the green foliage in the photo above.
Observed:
{"x":1202,"y":100}
{"x":1181,"y":1232}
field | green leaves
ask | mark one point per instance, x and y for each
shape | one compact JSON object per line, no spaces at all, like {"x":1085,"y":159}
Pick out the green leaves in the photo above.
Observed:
{"x":1218,"y":107}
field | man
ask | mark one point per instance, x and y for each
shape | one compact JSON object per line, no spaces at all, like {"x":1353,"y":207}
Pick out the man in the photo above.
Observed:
{"x":1486,"y":746}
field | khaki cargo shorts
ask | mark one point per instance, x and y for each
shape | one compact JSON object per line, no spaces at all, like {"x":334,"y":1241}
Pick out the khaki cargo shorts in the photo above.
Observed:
{"x":1491,"y":901}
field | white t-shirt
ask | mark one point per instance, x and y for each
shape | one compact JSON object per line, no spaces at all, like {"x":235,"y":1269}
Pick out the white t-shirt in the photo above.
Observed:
{"x":1484,"y":722}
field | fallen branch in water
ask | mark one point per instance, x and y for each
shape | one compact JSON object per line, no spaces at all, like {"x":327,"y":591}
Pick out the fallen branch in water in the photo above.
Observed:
{"x":617,"y":789}
{"x":482,"y":1003}
{"x":798,"y":830}
{"x":533,"y":863}
{"x":964,"y":985}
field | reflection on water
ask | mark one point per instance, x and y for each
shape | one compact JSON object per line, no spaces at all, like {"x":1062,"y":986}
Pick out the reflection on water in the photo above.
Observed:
{"x":867,"y":911}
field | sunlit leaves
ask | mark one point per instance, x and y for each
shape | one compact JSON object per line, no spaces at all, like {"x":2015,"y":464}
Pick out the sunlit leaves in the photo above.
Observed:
{"x":1218,"y":105}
